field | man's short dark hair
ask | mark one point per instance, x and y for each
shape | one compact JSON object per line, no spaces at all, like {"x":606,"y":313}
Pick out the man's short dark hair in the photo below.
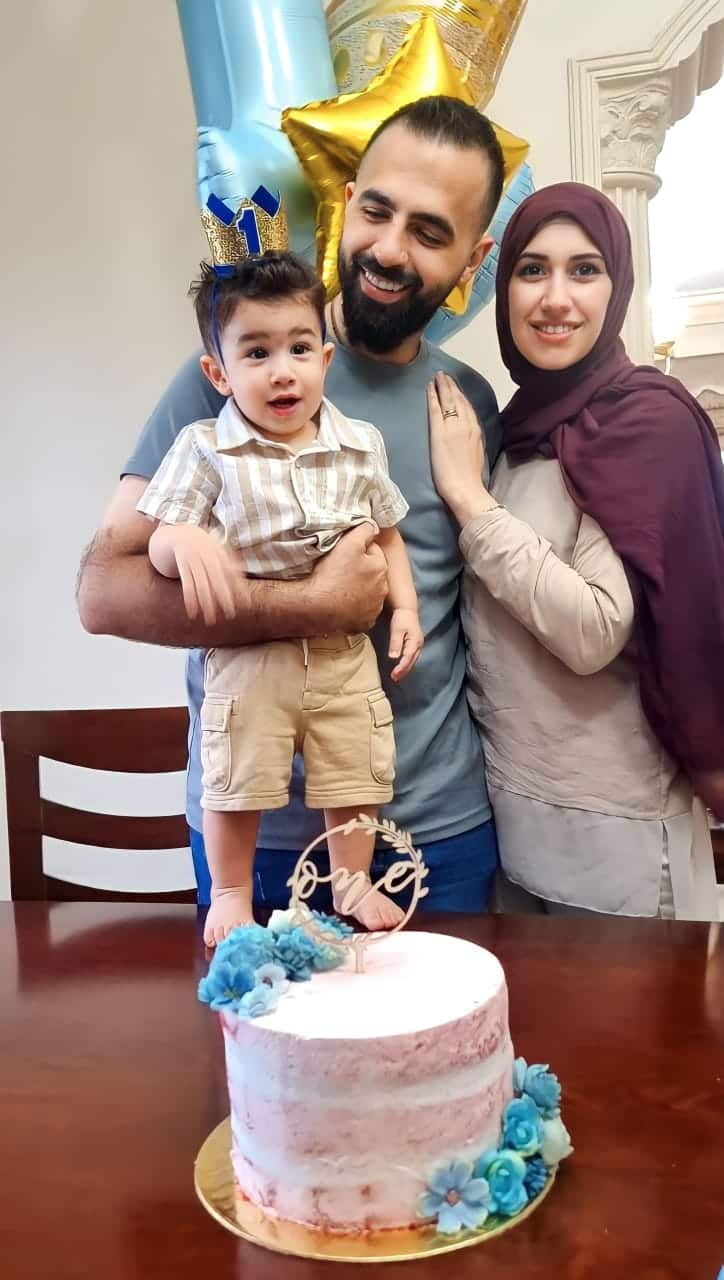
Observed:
{"x":443,"y":119}
{"x":273,"y":275}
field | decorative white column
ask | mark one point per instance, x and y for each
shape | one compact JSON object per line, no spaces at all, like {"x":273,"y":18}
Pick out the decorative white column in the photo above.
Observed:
{"x":632,"y":130}
{"x":620,"y":107}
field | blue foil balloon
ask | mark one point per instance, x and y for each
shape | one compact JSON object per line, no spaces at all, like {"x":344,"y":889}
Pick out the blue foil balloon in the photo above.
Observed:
{"x":444,"y":323}
{"x":247,"y":60}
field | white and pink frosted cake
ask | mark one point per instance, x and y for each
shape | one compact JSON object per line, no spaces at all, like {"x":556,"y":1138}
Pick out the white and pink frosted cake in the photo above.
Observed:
{"x":377,"y":1102}
{"x":355,"y":1086}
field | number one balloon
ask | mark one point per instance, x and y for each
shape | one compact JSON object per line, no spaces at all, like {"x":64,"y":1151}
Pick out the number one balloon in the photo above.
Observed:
{"x":247,"y":60}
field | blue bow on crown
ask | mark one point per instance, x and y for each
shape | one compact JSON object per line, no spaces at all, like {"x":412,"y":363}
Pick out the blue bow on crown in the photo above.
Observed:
{"x":258,"y":226}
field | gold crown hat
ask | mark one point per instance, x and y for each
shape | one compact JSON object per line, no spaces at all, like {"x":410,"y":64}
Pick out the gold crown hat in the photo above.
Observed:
{"x":257,"y":226}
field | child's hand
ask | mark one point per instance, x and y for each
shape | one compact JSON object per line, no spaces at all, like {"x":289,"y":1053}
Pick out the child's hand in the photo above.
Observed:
{"x":406,"y":641}
{"x":207,"y":571}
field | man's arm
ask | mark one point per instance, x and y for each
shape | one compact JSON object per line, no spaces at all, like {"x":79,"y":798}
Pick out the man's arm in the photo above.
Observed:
{"x":119,"y":592}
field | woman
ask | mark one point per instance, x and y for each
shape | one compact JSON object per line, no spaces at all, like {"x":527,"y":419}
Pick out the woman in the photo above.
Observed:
{"x":594,"y":589}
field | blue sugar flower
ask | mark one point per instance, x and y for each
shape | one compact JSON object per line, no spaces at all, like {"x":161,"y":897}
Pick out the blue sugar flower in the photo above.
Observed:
{"x":327,"y":956}
{"x":520,"y":1066}
{"x":535,"y":1176}
{"x":556,"y":1144}
{"x":540,"y":1084}
{"x":284,"y":921}
{"x":333,"y":925}
{"x":261,"y":999}
{"x":522,"y":1126}
{"x":295,"y":952}
{"x":272,"y":975}
{"x":504,"y":1171}
{"x":455,"y":1198}
{"x":250,"y":935}
{"x":225,"y":984}
{"x":249,"y":944}
{"x":256,"y":963}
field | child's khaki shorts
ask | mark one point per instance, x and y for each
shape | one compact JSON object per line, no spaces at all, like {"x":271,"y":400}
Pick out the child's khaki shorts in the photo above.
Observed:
{"x":320,"y":697}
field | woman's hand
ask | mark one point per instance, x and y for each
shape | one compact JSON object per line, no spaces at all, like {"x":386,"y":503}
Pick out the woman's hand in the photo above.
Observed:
{"x":457,"y":451}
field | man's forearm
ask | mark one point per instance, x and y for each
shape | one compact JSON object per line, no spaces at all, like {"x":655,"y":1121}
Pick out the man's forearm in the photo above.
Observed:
{"x":123,"y":595}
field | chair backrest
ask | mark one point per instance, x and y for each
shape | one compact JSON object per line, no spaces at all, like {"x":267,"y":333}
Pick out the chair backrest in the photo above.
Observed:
{"x":717,"y":844}
{"x":144,"y":740}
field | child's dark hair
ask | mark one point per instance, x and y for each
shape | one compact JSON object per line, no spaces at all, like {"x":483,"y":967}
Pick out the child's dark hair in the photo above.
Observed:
{"x":273,"y":275}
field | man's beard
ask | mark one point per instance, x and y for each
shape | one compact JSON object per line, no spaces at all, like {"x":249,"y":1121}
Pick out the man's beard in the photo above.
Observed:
{"x":380,"y":327}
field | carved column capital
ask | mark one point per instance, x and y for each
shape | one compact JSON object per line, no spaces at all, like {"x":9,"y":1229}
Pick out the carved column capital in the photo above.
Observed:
{"x":621,"y":106}
{"x":633,"y":125}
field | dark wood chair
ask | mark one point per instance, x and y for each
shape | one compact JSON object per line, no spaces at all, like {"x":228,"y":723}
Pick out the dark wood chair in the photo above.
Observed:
{"x":144,"y":740}
{"x":717,"y":840}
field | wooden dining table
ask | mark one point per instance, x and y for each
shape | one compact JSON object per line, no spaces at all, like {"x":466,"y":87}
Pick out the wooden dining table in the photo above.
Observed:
{"x":112,"y":1076}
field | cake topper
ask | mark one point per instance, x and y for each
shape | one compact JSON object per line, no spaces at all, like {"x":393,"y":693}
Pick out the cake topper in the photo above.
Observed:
{"x":353,"y":887}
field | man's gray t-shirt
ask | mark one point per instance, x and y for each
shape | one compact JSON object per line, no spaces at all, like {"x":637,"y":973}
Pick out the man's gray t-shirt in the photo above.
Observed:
{"x":440,"y":782}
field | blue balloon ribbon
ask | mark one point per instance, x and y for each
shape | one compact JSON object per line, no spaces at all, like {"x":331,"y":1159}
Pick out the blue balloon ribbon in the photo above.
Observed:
{"x":220,"y":271}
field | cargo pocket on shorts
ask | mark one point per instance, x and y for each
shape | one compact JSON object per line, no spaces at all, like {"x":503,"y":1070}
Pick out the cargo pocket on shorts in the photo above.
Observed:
{"x":216,"y":742}
{"x":382,"y":738}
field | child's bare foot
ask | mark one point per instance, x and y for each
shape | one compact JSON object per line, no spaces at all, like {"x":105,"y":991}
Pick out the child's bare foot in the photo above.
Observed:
{"x":229,"y":909}
{"x":377,"y":911}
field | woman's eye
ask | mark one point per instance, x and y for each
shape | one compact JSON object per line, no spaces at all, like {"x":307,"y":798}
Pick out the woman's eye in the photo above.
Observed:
{"x":588,"y":269}
{"x":530,"y":269}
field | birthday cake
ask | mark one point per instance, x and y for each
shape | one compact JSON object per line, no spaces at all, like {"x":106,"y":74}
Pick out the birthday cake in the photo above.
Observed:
{"x":388,"y":1099}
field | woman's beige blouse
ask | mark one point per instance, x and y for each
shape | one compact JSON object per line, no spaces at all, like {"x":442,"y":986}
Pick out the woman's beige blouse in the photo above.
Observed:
{"x":588,"y":805}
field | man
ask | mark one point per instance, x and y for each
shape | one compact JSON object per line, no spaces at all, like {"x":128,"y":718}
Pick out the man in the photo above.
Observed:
{"x":415,"y":226}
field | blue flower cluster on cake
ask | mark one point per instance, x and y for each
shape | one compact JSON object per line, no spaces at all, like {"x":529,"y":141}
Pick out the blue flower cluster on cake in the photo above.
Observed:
{"x":469,"y":1194}
{"x":252,"y":968}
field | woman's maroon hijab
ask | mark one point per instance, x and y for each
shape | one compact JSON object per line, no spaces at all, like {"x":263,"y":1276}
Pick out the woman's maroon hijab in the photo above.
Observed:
{"x":641,"y":457}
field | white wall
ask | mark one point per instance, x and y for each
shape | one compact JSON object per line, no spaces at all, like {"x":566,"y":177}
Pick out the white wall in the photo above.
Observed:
{"x":99,"y":239}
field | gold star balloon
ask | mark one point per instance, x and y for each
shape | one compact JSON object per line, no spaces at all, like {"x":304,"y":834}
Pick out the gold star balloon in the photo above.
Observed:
{"x":330,"y":137}
{"x":364,"y":34}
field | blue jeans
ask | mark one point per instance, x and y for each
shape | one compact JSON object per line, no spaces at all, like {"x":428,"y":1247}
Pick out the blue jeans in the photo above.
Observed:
{"x":460,"y":872}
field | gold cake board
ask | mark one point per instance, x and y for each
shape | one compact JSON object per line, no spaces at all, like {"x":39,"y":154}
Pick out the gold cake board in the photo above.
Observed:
{"x":214,"y":1182}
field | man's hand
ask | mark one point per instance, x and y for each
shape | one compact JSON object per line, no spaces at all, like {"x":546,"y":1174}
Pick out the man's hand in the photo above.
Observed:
{"x":350,"y":582}
{"x":207,"y":569}
{"x":406,"y":641}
